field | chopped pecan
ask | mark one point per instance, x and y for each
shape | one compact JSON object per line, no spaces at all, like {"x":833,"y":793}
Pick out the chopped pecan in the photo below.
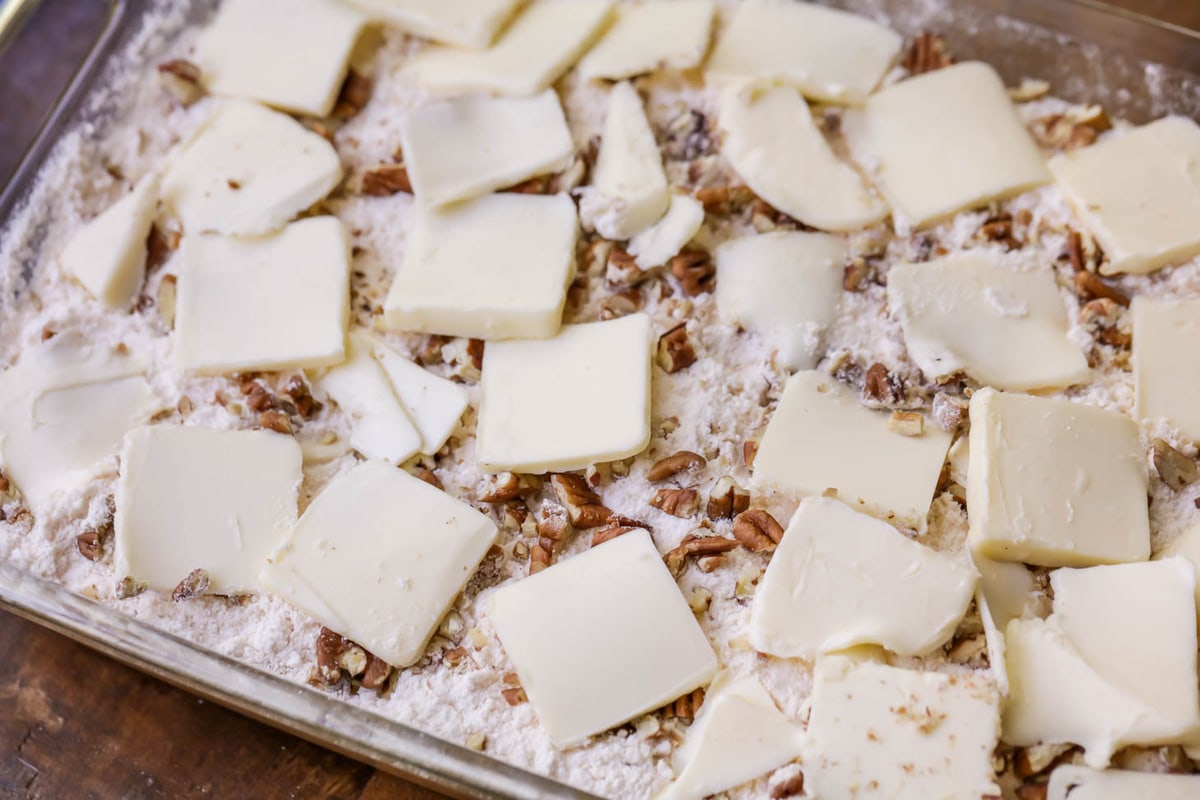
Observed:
{"x":724,"y":199}
{"x":1028,"y":90}
{"x":926,"y":54}
{"x":675,"y":351}
{"x":275,"y":420}
{"x":1090,"y":286}
{"x":695,"y":271}
{"x":621,"y":304}
{"x":539,"y":558}
{"x":1102,"y":318}
{"x":509,"y":486}
{"x":90,"y":545}
{"x":684,"y":460}
{"x":583,"y":505}
{"x":182,"y":79}
{"x":880,"y":387}
{"x":621,"y":268}
{"x":791,"y":787}
{"x":259,"y":398}
{"x":999,"y":228}
{"x":686,"y":706}
{"x":475,"y":348}
{"x":749,"y":451}
{"x":1032,"y":791}
{"x":757,"y":530}
{"x":376,"y":675}
{"x":907,"y":423}
{"x":676,"y":502}
{"x":688,"y":137}
{"x":514,"y":695}
{"x":330,"y":647}
{"x":426,"y":474}
{"x":727,"y":499}
{"x":1177,"y":470}
{"x":949,"y":411}
{"x":297,"y":390}
{"x":697,"y":545}
{"x":385,"y":180}
{"x":196,"y":583}
{"x":858,"y":271}
{"x":354,"y":95}
{"x":593,"y":256}
{"x":617,"y":525}
{"x":159,"y":246}
{"x":1036,"y":759}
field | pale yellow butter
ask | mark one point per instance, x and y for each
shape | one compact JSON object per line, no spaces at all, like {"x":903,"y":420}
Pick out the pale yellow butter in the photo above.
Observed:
{"x":467,"y":23}
{"x":1082,"y":783}
{"x":663,"y":240}
{"x":434,"y":404}
{"x":651,"y":36}
{"x":1166,"y":368}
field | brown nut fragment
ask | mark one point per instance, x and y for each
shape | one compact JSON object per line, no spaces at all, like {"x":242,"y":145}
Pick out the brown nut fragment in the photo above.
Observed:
{"x":684,"y":460}
{"x":757,"y":530}
{"x":196,"y":583}
{"x":1177,"y":470}
{"x":676,"y":502}
{"x":297,"y":390}
{"x":685,"y":707}
{"x":621,"y":268}
{"x":621,"y":304}
{"x":907,"y":423}
{"x":259,"y":398}
{"x":880,"y":387}
{"x":1035,"y":760}
{"x":999,"y":228}
{"x":386,"y":180}
{"x":727,"y":499}
{"x":697,"y":545}
{"x":617,"y":525}
{"x":354,"y":95}
{"x":856,"y":274}
{"x":695,"y":271}
{"x":514,"y":696}
{"x":160,"y":245}
{"x":724,"y":199}
{"x":790,"y":788}
{"x":583,"y":505}
{"x":90,"y":545}
{"x":509,"y":486}
{"x":182,"y":79}
{"x":1090,"y":286}
{"x":431,"y":350}
{"x":749,"y":451}
{"x":275,"y":420}
{"x":949,"y":411}
{"x":376,"y":675}
{"x":675,"y":351}
{"x":1033,"y":791}
{"x":330,"y":647}
{"x":427,"y":475}
{"x":926,"y":54}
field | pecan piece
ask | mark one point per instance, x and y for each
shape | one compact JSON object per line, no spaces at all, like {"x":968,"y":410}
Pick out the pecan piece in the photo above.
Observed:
{"x":749,"y":451}
{"x":617,"y":525}
{"x":926,"y":54}
{"x":676,"y":502}
{"x":583,"y":505}
{"x":695,"y":271}
{"x":697,"y":545}
{"x":376,"y":675}
{"x":1090,"y":286}
{"x":1177,"y":470}
{"x":182,"y":79}
{"x":686,"y":706}
{"x":675,"y":351}
{"x":621,"y":304}
{"x":354,"y":95}
{"x":907,"y":423}
{"x":196,"y":583}
{"x":386,"y":180}
{"x":621,"y":268}
{"x":276,"y":421}
{"x":90,"y":545}
{"x":880,"y":387}
{"x":757,"y":530}
{"x":674,"y":464}
{"x":427,"y":475}
{"x":790,"y":788}
{"x":949,"y":411}
{"x":727,"y":499}
{"x":509,"y":486}
{"x":297,"y":390}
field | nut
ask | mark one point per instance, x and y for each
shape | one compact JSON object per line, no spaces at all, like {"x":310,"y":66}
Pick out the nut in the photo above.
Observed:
{"x":697,"y":545}
{"x":749,"y":451}
{"x":297,"y":390}
{"x":195,"y":584}
{"x":675,"y":351}
{"x":695,"y":271}
{"x":1038,"y":758}
{"x":1177,"y":470}
{"x":354,"y":95}
{"x":182,"y":80}
{"x":622,"y":269}
{"x":427,"y":475}
{"x":684,"y":460}
{"x":949,"y":411}
{"x":926,"y":54}
{"x":857,"y":273}
{"x":128,"y":587}
{"x":584,"y":508}
{"x":999,"y":228}
{"x":617,"y":525}
{"x":164,"y":301}
{"x":90,"y":545}
{"x":160,"y":245}
{"x":594,"y":259}
{"x":724,"y":199}
{"x":621,"y":304}
{"x":789,"y":788}
{"x":676,"y":502}
{"x":727,"y":499}
{"x":385,"y":180}
{"x":1033,"y":791}
{"x":1090,"y":286}
{"x":757,"y":530}
{"x":685,"y":707}
{"x":880,"y":387}
{"x":376,"y":674}
{"x":330,"y":647}
{"x":509,"y":486}
{"x":907,"y":423}
{"x":538,"y":184}
{"x":476,"y":741}
{"x":699,"y":600}
{"x":275,"y":420}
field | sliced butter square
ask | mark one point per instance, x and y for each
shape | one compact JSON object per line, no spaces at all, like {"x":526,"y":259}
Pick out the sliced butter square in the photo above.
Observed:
{"x":821,"y":438}
{"x":663,"y":240}
{"x":1082,"y":783}
{"x":291,"y":54}
{"x":380,"y":426}
{"x":1186,"y":544}
{"x":533,"y":52}
{"x":629,"y":190}
{"x":434,"y":404}
{"x":201,"y":498}
{"x":830,"y":55}
{"x":840,"y":579}
{"x":651,"y":36}
{"x":1113,"y":666}
{"x":877,"y":731}
{"x":1005,"y":592}
{"x":108,"y":254}
{"x":1138,"y":193}
{"x":271,"y":303}
{"x":737,"y":736}
{"x":496,"y":267}
{"x":379,"y":557}
{"x":804,"y":272}
{"x":467,"y":23}
{"x":945,"y":141}
{"x":247,"y":171}
{"x":471,"y":146}
{"x":1166,"y":369}
{"x":1055,"y":483}
{"x":772,"y":142}
{"x":590,"y":658}
{"x":524,"y":425}
{"x":971,"y":313}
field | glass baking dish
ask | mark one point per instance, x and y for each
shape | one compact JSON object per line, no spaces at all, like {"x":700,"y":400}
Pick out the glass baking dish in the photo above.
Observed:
{"x":1136,"y":67}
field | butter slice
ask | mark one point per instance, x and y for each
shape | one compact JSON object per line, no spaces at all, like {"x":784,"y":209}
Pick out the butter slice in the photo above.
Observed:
{"x":108,"y":254}
{"x":651,"y":36}
{"x":945,"y":141}
{"x":1186,"y":544}
{"x":969,"y":312}
{"x":434,"y":404}
{"x":1138,"y":193}
{"x":1055,"y":483}
{"x":772,"y":142}
{"x":804,"y":272}
{"x":663,"y":240}
{"x":492,"y":268}
{"x":1005,"y":593}
{"x":1081,"y":783}
{"x":1166,"y":370}
{"x":738,"y":735}
{"x":288,"y":54}
{"x":533,"y":52}
{"x":524,"y":425}
{"x":271,"y":303}
{"x":882,"y":732}
{"x":840,"y":579}
{"x":247,"y":171}
{"x":65,"y":408}
{"x":589,"y":657}
{"x":201,"y":498}
{"x":1113,"y":666}
{"x":467,"y":23}
{"x":629,"y":191}
{"x":821,"y":438}
{"x":471,"y":146}
{"x":380,"y":425}
{"x":379,"y":557}
{"x":830,"y":55}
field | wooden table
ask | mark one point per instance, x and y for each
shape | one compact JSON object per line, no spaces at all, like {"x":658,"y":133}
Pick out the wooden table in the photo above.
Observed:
{"x":73,"y":723}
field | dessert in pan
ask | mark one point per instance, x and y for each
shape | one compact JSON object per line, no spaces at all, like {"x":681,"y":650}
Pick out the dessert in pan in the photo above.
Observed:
{"x":672,"y":398}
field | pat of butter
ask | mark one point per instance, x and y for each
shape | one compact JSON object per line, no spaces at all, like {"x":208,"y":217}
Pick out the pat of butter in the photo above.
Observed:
{"x":841,"y":579}
{"x":201,"y":498}
{"x":434,"y":404}
{"x":379,"y":556}
{"x":924,"y":139}
{"x":1114,"y":665}
{"x":1055,"y":483}
{"x":877,"y":731}
{"x":108,"y":254}
{"x":649,"y":37}
{"x":629,"y":190}
{"x":467,"y":23}
{"x":590,"y":658}
{"x":830,"y":55}
{"x":1138,"y":192}
{"x":288,"y":54}
{"x":821,"y":438}
{"x":969,"y":312}
{"x":381,"y":427}
{"x":663,"y":240}
{"x":772,"y":142}
{"x":269,"y":303}
{"x":1081,"y":783}
{"x":1166,"y":372}
{"x":533,"y":52}
{"x":64,"y":409}
{"x":471,"y":146}
{"x":738,"y":735}
{"x":804,"y":272}
{"x":524,"y":425}
{"x":496,"y":267}
{"x":247,"y":171}
{"x":1005,"y":593}
{"x":1186,"y":544}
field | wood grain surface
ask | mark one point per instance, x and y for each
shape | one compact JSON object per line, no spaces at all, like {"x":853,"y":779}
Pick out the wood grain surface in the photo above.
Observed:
{"x":75,"y":724}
